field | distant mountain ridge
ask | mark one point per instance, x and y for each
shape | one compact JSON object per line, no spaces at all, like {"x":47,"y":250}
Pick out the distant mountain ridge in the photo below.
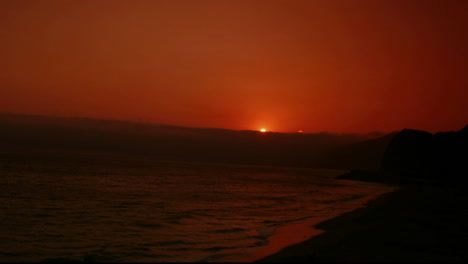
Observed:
{"x":364,"y":155}
{"x":182,"y":143}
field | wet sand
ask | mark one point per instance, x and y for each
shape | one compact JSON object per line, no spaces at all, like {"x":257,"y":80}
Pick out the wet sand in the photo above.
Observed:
{"x":417,"y":223}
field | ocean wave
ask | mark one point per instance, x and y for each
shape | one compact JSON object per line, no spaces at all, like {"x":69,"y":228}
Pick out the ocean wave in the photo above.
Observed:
{"x":344,"y":198}
{"x":11,"y":254}
{"x":42,"y":215}
{"x":229,"y":230}
{"x":260,"y":243}
{"x":54,"y":235}
{"x":214,"y":257}
{"x":179,"y":217}
{"x":146,"y":255}
{"x":75,"y":247}
{"x":149,"y":225}
{"x":352,"y":197}
{"x":201,"y":212}
{"x":264,"y":232}
{"x":84,"y":258}
{"x":169,"y":243}
{"x":275,"y":198}
{"x":180,"y":249}
{"x":216,"y":249}
{"x":141,"y":249}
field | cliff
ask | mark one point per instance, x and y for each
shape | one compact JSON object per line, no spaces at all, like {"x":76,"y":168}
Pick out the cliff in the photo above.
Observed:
{"x":419,"y":155}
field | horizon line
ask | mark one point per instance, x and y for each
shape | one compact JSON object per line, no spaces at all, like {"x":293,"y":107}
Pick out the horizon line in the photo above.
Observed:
{"x":142,"y":121}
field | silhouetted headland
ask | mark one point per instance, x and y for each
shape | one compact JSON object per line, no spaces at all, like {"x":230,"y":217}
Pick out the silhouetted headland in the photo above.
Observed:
{"x":419,"y":156}
{"x":425,"y":220}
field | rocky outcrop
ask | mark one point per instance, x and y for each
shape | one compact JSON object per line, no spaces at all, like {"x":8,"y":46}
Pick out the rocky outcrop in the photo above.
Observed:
{"x":419,"y":155}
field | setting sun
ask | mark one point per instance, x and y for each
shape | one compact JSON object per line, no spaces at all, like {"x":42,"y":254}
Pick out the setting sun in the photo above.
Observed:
{"x":263,"y":130}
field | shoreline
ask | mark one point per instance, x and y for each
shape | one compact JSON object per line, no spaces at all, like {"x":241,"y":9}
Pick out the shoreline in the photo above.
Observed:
{"x":414,"y":223}
{"x":300,"y":232}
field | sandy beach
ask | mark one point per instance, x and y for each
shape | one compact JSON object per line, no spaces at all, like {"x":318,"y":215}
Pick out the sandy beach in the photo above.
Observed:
{"x":417,"y":223}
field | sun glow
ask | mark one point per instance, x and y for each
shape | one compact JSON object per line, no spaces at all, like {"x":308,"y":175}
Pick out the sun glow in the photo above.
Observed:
{"x":263,"y":130}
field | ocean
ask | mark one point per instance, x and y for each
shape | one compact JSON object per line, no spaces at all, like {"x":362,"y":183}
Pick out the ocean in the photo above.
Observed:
{"x":107,"y":208}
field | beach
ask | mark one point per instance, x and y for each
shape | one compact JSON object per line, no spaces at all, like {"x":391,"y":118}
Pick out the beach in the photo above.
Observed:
{"x":417,"y":223}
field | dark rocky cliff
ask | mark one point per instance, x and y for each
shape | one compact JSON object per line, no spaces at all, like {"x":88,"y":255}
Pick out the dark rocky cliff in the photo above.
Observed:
{"x":419,"y":155}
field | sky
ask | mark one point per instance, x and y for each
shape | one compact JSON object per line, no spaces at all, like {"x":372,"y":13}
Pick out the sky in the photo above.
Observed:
{"x":341,"y":66}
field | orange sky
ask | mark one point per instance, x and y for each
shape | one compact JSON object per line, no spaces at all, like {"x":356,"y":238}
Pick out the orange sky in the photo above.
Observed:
{"x":331,"y":65}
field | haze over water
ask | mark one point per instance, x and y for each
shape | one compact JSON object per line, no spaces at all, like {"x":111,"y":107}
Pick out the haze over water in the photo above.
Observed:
{"x":105,"y":208}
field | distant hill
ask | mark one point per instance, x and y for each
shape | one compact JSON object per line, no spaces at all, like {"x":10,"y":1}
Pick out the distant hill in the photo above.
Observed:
{"x":365,"y":155}
{"x":24,"y":133}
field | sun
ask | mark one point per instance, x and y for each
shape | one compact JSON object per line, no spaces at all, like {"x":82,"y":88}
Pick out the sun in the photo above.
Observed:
{"x":263,"y":130}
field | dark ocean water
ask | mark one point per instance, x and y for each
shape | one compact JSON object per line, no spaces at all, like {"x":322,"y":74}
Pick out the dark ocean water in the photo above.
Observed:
{"x":90,"y":210}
